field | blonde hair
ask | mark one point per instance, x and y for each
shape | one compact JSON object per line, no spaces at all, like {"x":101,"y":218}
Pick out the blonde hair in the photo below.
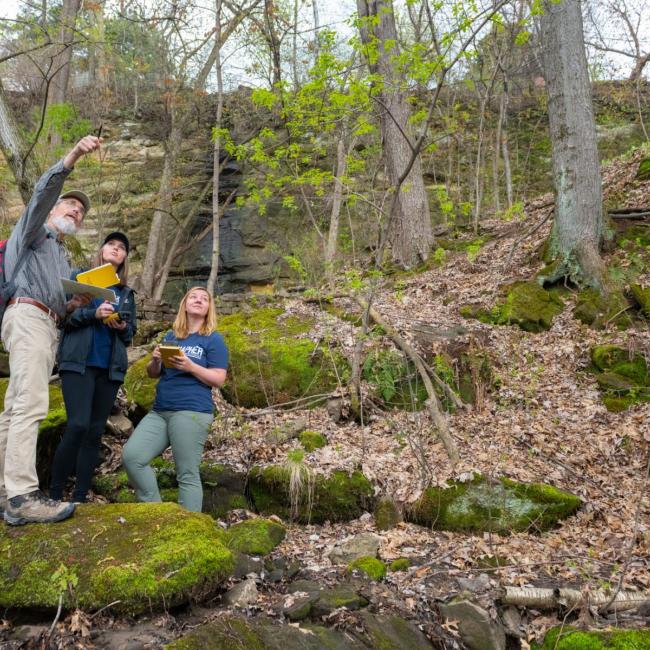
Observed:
{"x":180,"y":327}
{"x":122,"y":270}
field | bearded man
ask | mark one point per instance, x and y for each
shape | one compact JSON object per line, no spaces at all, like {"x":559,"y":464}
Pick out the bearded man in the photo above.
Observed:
{"x":36,"y":260}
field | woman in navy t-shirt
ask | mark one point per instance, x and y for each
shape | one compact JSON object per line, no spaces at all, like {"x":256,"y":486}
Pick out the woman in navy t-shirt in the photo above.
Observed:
{"x":183,"y":409}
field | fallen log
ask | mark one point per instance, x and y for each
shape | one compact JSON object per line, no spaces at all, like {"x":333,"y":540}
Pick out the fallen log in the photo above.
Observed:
{"x":547,"y":598}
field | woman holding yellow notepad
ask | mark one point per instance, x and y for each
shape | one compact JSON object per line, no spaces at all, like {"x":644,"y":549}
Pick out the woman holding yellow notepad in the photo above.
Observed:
{"x":92,"y":364}
{"x":192,"y":359}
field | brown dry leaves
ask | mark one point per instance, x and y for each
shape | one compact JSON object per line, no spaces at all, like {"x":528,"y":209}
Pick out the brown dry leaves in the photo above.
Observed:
{"x":546,"y":423}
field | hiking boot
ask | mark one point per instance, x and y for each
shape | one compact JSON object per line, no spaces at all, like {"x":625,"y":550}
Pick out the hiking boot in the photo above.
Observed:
{"x":36,"y":508}
{"x":3,"y":506}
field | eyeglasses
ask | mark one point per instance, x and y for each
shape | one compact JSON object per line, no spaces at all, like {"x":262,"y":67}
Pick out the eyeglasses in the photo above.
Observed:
{"x":75,"y":204}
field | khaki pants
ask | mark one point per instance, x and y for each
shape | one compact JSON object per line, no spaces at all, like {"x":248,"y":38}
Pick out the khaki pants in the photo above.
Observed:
{"x":30,"y":336}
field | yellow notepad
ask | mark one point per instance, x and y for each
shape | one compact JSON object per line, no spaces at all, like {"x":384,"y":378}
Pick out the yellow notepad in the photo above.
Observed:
{"x":101,"y":276}
{"x":169,"y":351}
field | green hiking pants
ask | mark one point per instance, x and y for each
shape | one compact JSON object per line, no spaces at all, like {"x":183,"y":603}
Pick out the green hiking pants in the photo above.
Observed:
{"x":186,"y":432}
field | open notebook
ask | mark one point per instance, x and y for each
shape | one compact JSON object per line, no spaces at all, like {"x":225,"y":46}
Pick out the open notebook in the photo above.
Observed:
{"x":94,"y":282}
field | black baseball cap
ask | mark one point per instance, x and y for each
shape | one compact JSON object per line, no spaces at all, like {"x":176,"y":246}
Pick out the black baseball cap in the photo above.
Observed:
{"x":120,"y":236}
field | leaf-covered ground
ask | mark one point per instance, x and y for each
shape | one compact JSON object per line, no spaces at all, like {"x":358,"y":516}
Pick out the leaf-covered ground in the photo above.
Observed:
{"x":546,"y":422}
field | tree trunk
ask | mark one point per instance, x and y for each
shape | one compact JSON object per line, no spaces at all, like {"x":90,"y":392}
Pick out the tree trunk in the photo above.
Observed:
{"x":409,"y":225}
{"x":579,"y":222}
{"x":61,"y":60}
{"x":337,"y":201}
{"x":505,"y":153}
{"x":155,"y":244}
{"x":101,"y":73}
{"x":496,"y":157}
{"x":24,"y":167}
{"x":314,"y":6}
{"x":273,"y":41}
{"x":216,"y":162}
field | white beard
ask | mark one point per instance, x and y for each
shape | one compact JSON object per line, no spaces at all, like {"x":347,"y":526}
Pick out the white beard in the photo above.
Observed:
{"x":64,"y":225}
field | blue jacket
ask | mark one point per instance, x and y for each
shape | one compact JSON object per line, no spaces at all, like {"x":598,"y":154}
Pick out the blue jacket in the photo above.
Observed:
{"x":77,"y":338}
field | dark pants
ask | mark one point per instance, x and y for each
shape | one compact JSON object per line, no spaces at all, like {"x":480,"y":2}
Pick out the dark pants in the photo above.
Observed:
{"x":88,"y":401}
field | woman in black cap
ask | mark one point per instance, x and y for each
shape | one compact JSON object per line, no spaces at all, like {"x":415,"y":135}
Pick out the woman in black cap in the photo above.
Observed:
{"x":92,"y":364}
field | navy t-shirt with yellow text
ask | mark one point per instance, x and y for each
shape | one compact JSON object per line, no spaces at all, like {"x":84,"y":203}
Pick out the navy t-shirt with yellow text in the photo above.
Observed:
{"x":181,"y":391}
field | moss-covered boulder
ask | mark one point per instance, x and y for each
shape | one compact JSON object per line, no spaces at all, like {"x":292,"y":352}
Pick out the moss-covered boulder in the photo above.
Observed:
{"x":141,"y":555}
{"x":643,"y":172}
{"x":312,"y":440}
{"x":501,"y":506}
{"x":526,"y":304}
{"x":371,"y":567}
{"x":272,"y":359}
{"x":115,"y":487}
{"x":568,"y":638}
{"x":339,"y":497}
{"x":140,"y":389}
{"x":224,"y":489}
{"x":261,"y":633}
{"x":622,"y":376}
{"x":393,"y":633}
{"x":255,"y":536}
{"x":598,"y":310}
{"x":641,"y":297}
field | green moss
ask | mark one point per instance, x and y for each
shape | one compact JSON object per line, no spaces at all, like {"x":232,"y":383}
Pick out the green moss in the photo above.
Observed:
{"x":598,"y":311}
{"x":375,"y":569}
{"x":341,"y":596}
{"x":618,"y":404}
{"x":502,"y":506}
{"x":255,"y":536}
{"x":635,"y":238}
{"x":387,"y":514}
{"x":339,"y":497}
{"x":261,"y":633}
{"x":169,"y":495}
{"x":643,"y":172}
{"x":400,"y":564}
{"x":567,"y":638}
{"x":526,"y":304}
{"x":223,"y":489}
{"x":342,"y":314}
{"x":642,"y":297}
{"x":142,"y":555}
{"x":139,"y":387}
{"x":605,"y":357}
{"x":622,"y":376}
{"x":311,"y":440}
{"x":125,"y":495}
{"x":273,"y":361}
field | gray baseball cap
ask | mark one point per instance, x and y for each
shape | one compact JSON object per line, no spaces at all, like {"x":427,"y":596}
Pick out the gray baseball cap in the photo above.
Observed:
{"x":79,"y":195}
